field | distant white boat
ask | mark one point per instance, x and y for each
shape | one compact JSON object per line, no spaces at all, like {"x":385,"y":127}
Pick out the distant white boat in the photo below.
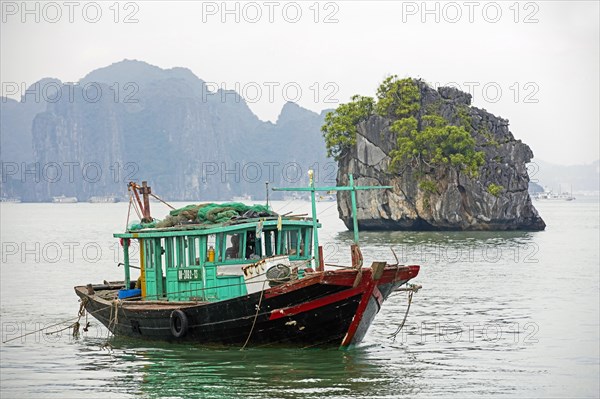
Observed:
{"x":14,"y":200}
{"x":61,"y":199}
{"x":295,"y":197}
{"x":245,"y":197}
{"x":107,"y":199}
{"x":552,"y":196}
{"x":326,"y":198}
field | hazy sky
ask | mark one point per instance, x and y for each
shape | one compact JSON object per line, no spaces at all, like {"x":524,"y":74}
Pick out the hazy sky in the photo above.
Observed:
{"x":534,"y":63}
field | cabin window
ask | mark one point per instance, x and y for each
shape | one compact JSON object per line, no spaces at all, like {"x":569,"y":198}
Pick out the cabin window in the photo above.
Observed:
{"x":149,"y":253}
{"x":291,"y":242}
{"x":192,"y":249}
{"x":159,"y":252}
{"x":211,"y":242}
{"x":234,"y":246}
{"x":307,"y":243}
{"x":169,"y":254}
{"x":270,"y":242}
{"x":180,"y":247}
{"x":154,"y":253}
{"x":253,"y":250}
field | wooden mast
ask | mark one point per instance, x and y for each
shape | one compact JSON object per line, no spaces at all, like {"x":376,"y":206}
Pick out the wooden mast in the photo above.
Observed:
{"x":144,"y":203}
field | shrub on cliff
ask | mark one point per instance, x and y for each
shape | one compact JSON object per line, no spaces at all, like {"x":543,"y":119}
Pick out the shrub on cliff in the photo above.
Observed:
{"x":423,"y":136}
{"x":339,"y":129}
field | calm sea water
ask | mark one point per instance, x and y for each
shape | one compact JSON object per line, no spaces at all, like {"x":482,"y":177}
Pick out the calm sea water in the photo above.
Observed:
{"x":513,"y":314}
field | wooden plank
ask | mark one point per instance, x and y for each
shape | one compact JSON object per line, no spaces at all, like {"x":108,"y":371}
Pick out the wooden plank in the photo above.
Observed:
{"x":378,"y":268}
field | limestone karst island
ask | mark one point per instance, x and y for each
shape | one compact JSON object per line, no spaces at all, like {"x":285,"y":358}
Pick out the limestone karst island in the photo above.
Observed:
{"x":452,"y":166}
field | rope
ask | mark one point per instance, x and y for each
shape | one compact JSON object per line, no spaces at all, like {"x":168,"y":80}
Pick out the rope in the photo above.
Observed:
{"x":329,"y":207}
{"x":164,"y":202}
{"x":284,"y":205}
{"x":75,"y":325}
{"x":411,"y":288}
{"x":262,"y":292}
{"x":340,"y":266}
{"x":135,"y":207}
{"x":81,"y":312}
{"x":128,"y":212}
{"x":114,"y":319}
{"x":138,"y":211}
{"x":395,"y":333}
{"x":55,"y":325}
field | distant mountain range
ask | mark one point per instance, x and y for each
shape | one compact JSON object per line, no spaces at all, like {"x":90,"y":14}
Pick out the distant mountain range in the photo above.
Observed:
{"x":561,"y":178}
{"x":135,"y":121}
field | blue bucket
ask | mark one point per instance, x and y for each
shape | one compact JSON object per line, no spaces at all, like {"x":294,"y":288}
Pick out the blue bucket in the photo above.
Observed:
{"x":129,"y":293}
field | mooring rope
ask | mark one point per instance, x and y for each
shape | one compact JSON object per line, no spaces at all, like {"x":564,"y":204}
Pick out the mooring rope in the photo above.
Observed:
{"x":411,"y":288}
{"x":262,"y":293}
{"x":77,"y":318}
{"x":113,"y":319}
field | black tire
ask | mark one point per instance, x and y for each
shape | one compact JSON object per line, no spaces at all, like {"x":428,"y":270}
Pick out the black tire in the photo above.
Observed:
{"x":179,"y":323}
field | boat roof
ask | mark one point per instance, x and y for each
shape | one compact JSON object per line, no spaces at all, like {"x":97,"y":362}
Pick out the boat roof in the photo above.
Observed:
{"x":212,"y":218}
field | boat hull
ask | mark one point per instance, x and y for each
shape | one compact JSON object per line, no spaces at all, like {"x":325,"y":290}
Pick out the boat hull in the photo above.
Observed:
{"x":332,"y":308}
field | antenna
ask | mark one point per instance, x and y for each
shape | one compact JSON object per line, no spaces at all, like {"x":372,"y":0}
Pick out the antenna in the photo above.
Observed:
{"x":267,"y":188}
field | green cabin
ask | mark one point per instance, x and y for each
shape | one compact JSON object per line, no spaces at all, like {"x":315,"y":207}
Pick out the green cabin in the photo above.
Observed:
{"x":214,"y":252}
{"x":216,"y":262}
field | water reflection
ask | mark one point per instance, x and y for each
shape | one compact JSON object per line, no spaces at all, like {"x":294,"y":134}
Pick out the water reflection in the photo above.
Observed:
{"x":184,"y":371}
{"x":431,"y":248}
{"x":375,"y":238}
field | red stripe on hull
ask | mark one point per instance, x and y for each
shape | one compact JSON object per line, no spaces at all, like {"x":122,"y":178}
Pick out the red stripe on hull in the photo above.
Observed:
{"x":367,"y":287}
{"x":317,"y":303}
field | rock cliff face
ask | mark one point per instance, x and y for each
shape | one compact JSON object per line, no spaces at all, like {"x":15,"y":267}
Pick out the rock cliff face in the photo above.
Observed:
{"x":458,"y":201}
{"x":148,"y":123}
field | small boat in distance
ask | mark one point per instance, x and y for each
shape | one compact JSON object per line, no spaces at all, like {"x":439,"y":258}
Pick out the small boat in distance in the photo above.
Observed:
{"x":62,"y":199}
{"x":241,"y":198}
{"x":295,"y":197}
{"x":241,"y":275}
{"x":548,"y":194}
{"x":326,"y":198}
{"x":107,"y":199}
{"x":14,"y":200}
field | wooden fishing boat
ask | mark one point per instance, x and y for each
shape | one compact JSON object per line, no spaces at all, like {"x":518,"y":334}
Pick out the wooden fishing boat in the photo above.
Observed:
{"x":243,"y":276}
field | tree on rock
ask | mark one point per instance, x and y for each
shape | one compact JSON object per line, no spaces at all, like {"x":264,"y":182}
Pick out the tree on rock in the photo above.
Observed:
{"x":339,"y":129}
{"x":423,"y":137}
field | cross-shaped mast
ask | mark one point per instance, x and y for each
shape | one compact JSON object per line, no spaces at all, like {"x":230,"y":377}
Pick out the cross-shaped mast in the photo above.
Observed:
{"x":350,"y":187}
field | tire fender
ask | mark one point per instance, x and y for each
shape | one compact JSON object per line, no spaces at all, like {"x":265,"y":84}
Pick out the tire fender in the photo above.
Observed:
{"x":179,"y":323}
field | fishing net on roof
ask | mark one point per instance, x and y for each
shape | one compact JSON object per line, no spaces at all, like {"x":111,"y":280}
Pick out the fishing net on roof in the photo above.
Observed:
{"x":213,"y":213}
